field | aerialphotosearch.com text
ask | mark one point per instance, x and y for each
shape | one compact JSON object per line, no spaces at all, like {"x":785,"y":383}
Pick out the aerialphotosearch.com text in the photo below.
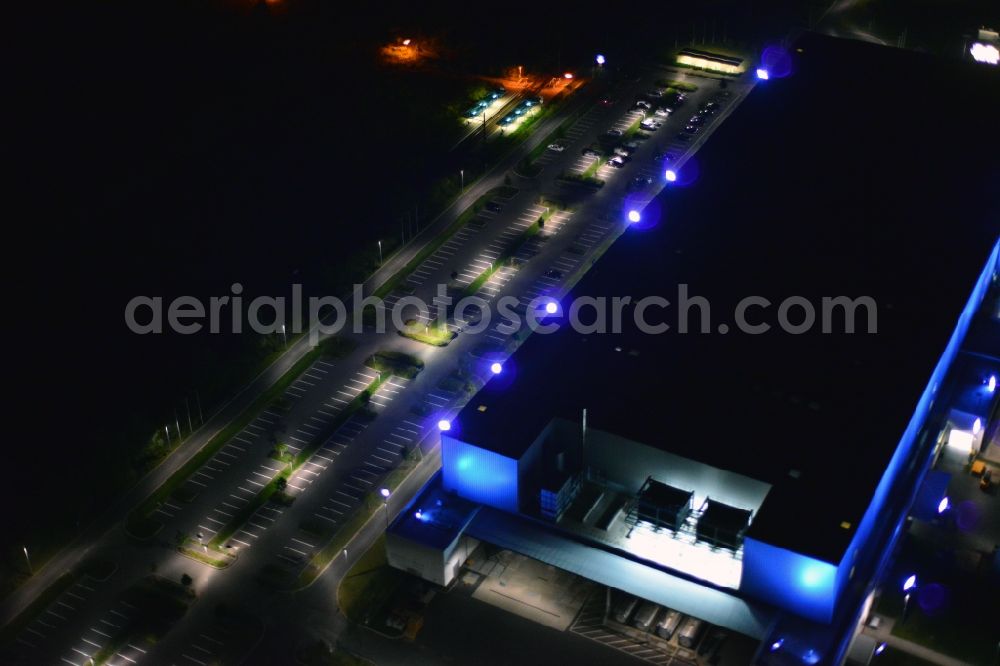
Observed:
{"x":682,"y":313}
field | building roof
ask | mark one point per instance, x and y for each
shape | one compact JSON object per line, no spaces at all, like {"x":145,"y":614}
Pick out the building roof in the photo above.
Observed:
{"x":831,"y":182}
{"x":635,"y":577}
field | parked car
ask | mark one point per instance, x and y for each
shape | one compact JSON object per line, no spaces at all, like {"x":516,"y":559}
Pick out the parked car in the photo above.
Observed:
{"x":615,"y":132}
{"x":555,"y":147}
{"x":607,"y":101}
{"x":623,"y":609}
{"x":591,"y":152}
{"x":668,"y":623}
{"x":650,"y":125}
{"x":643,"y":104}
{"x":645,"y":616}
{"x":690,"y":632}
{"x":553,"y":273}
{"x":494,"y":207}
{"x":617,"y":162}
{"x":639,"y":182}
{"x":662,"y":111}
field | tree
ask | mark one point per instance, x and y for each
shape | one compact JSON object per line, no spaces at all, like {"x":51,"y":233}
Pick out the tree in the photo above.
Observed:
{"x":281,"y":484}
{"x":186,"y":580}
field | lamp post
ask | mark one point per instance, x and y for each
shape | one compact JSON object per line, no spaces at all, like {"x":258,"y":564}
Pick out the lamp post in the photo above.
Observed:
{"x":909,"y":585}
{"x":27,"y":559}
{"x":385,"y":502}
{"x":284,"y":338}
{"x":380,"y":253}
{"x":461,"y":173}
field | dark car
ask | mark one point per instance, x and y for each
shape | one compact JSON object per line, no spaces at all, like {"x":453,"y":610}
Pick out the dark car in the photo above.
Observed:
{"x":591,"y":152}
{"x":692,"y":129}
{"x":553,"y":273}
{"x":494,"y":207}
{"x":639,"y":182}
{"x":697,"y":121}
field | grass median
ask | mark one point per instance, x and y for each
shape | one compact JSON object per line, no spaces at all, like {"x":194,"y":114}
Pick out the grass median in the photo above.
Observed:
{"x":140,"y":523}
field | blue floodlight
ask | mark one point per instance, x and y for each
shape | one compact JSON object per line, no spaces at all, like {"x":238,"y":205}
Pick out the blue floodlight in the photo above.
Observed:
{"x":879,"y":649}
{"x":776,"y":645}
{"x":420,"y":515}
{"x":991,"y":385}
{"x":384,"y":492}
{"x":762,"y":74}
{"x":943,"y":505}
{"x":444,"y":425}
{"x":670,"y":175}
{"x":496,"y":368}
{"x":977,"y":425}
{"x":910,"y":583}
{"x":634,"y":216}
{"x":551,"y":307}
{"x":600,"y":59}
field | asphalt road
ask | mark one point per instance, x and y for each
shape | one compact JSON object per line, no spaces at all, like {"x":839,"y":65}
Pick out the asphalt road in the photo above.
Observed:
{"x":352,"y":461}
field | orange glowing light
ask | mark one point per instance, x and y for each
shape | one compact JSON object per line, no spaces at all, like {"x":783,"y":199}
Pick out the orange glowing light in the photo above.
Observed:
{"x":406,"y":42}
{"x":567,"y":75}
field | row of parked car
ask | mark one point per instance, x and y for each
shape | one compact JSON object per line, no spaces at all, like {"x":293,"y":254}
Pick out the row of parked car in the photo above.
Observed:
{"x":486,"y":102}
{"x":691,"y":632}
{"x":522,"y":108}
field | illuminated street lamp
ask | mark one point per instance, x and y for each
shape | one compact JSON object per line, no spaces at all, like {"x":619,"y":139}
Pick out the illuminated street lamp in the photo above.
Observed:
{"x":991,"y":385}
{"x":444,"y":425}
{"x":977,"y":426}
{"x":551,"y":307}
{"x":600,"y":59}
{"x":763,"y":74}
{"x":634,"y":216}
{"x":879,"y":649}
{"x":28,"y":560}
{"x":670,"y":175}
{"x":461,"y":173}
{"x":909,"y":585}
{"x":496,"y":368}
{"x":380,"y":253}
{"x":943,"y":505}
{"x":384,"y":492}
{"x":568,"y":76}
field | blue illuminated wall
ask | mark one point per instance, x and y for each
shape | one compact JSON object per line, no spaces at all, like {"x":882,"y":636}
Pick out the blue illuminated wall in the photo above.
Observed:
{"x":801,"y":584}
{"x":908,"y":448}
{"x":811,"y":588}
{"x":478,"y":475}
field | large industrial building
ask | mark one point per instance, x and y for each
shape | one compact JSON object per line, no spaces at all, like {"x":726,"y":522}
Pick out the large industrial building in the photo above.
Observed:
{"x":757,"y":480}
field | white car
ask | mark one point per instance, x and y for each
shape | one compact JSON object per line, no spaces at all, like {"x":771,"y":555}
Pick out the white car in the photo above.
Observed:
{"x":555,"y":147}
{"x":662,"y":111}
{"x":649,"y":124}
